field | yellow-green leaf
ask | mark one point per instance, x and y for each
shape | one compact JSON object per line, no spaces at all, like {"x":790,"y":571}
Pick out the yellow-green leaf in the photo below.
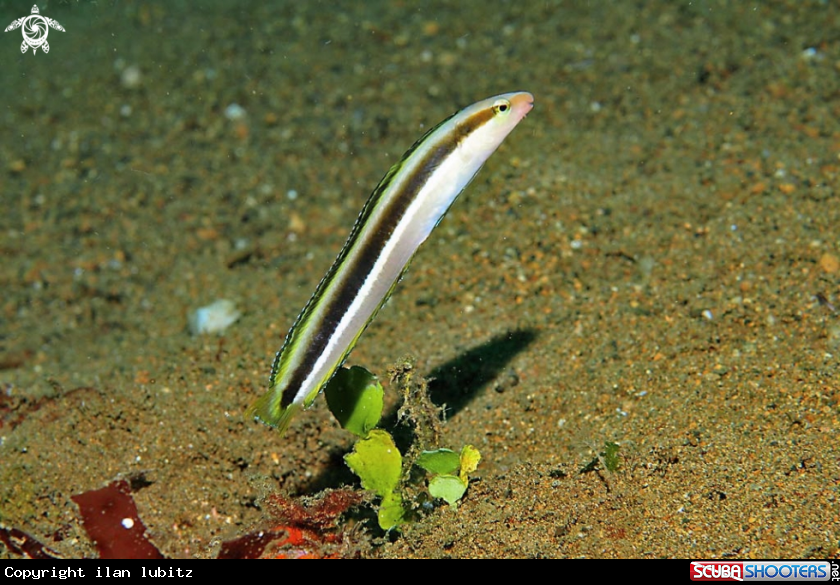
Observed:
{"x":391,"y":511}
{"x":469,"y":462}
{"x":449,"y":488}
{"x":377,"y":462}
{"x":439,"y":461}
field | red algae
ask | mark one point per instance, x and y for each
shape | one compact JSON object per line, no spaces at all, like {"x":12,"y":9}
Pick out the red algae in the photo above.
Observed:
{"x":321,"y":515}
{"x":20,"y":543}
{"x":250,"y":546}
{"x":110,"y":518}
{"x":305,"y":531}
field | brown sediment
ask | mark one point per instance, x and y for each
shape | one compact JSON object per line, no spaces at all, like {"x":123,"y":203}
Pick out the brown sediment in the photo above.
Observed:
{"x":660,"y":240}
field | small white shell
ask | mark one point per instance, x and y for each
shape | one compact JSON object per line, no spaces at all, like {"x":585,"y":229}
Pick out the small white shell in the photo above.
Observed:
{"x":214,"y":318}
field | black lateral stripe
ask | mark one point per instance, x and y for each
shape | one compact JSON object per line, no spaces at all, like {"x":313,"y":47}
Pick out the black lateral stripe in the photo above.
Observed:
{"x":358,"y":256}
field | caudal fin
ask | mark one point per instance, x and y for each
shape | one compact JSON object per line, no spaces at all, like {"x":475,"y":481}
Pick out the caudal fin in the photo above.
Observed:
{"x":271,"y":413}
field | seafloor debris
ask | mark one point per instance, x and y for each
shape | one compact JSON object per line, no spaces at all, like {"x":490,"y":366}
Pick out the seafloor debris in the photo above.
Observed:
{"x":305,"y":531}
{"x":110,"y":518}
{"x":214,"y":318}
{"x":20,"y":543}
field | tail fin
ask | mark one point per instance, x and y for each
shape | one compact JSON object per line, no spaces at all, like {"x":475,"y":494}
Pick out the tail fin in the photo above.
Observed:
{"x":270,"y":412}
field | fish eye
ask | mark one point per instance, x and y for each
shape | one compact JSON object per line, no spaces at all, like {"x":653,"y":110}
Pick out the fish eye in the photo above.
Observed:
{"x":501,"y":106}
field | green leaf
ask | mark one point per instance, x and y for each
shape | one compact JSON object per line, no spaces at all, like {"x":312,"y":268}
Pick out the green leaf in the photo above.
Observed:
{"x":391,"y":511}
{"x":377,"y":462}
{"x":469,"y":462}
{"x":439,"y":461}
{"x":355,"y":398}
{"x":449,"y":488}
{"x":610,"y":456}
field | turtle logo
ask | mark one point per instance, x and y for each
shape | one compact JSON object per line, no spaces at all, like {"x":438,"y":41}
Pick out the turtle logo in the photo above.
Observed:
{"x":35,"y":29}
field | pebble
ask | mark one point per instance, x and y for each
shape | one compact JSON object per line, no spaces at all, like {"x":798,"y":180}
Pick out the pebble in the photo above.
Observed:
{"x":131,"y":77}
{"x":213,"y":318}
{"x":234,"y":112}
{"x":829,"y":263}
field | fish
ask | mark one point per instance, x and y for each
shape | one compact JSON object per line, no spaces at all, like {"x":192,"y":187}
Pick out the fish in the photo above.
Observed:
{"x":407,"y":204}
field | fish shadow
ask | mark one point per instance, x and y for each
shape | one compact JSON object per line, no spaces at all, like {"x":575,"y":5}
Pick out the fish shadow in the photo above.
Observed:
{"x":457,"y":382}
{"x":454,"y":384}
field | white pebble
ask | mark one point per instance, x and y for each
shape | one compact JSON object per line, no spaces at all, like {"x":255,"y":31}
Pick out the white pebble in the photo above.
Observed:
{"x":214,"y":318}
{"x":128,"y":523}
{"x":234,"y":112}
{"x":131,"y":77}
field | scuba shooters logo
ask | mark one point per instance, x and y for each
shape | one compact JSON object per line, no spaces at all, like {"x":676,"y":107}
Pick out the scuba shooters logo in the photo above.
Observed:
{"x":35,"y":29}
{"x":764,"y":571}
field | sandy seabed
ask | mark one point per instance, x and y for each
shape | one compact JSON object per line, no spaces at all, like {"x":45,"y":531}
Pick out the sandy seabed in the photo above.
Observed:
{"x":652,"y":258}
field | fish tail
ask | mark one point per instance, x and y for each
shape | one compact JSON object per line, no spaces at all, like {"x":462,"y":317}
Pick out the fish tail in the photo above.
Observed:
{"x":269,"y":411}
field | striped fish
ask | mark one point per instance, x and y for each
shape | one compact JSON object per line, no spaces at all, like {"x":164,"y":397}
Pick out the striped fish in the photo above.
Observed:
{"x":405,"y":207}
